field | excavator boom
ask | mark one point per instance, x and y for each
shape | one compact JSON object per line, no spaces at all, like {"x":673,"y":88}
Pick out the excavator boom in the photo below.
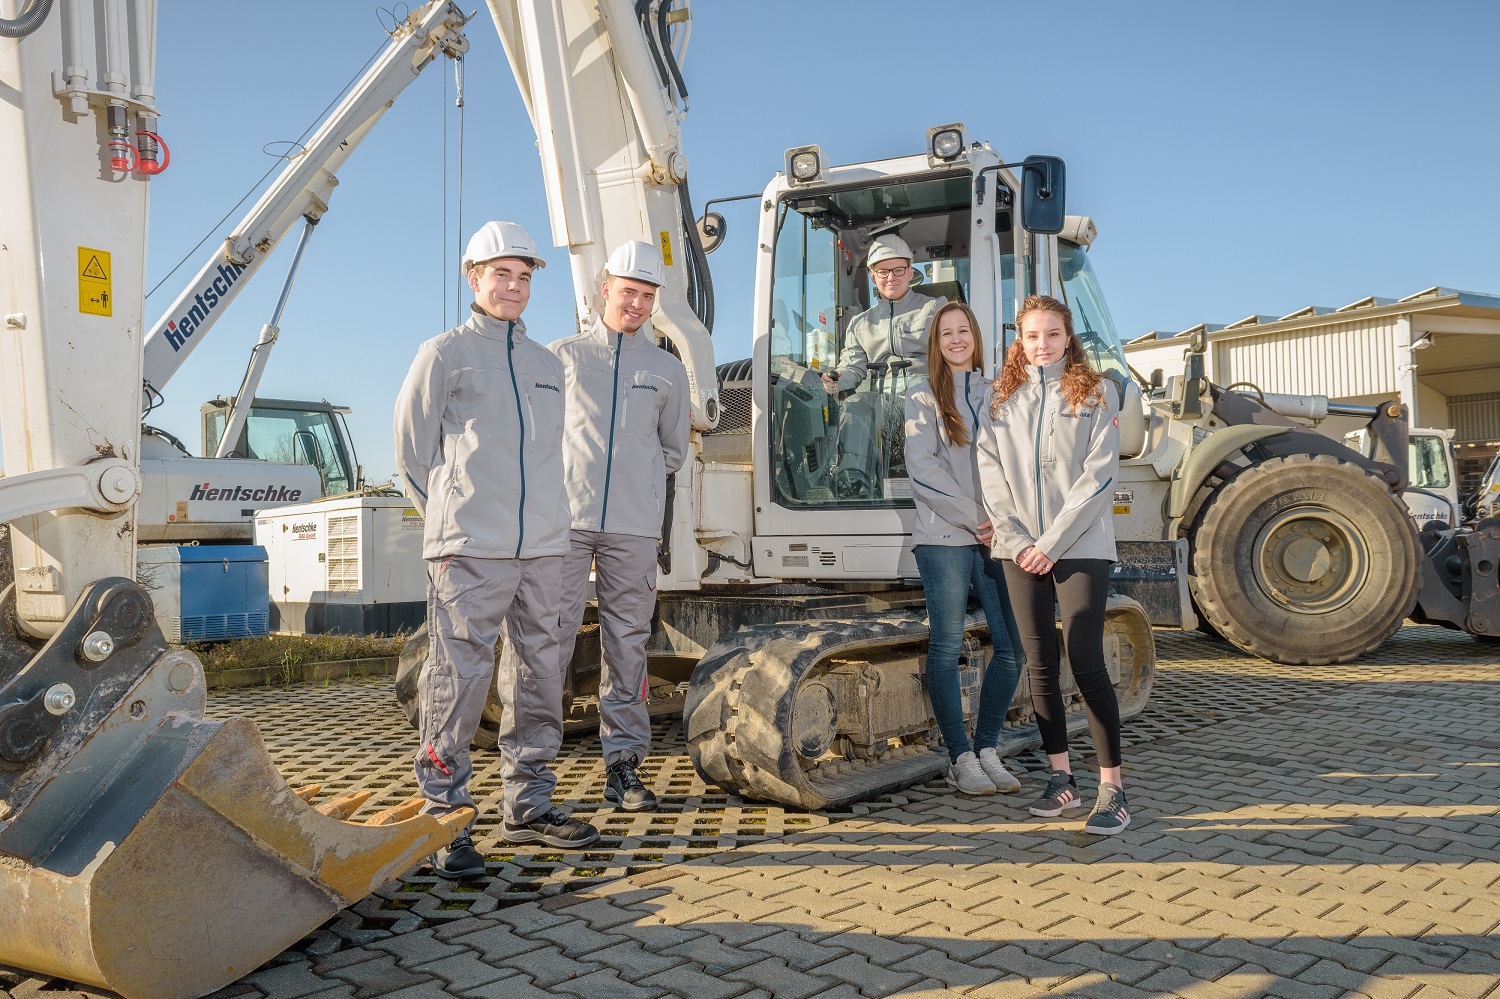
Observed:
{"x":143,"y":848}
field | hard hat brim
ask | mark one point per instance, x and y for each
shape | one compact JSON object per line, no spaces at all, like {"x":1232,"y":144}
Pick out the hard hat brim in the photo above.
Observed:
{"x":537,"y":263}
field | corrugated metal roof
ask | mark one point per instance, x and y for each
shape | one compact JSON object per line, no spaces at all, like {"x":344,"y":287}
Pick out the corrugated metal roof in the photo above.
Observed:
{"x":1428,"y":299}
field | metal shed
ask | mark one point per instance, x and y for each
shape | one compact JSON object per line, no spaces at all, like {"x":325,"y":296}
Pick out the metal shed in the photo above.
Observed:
{"x":1438,"y":349}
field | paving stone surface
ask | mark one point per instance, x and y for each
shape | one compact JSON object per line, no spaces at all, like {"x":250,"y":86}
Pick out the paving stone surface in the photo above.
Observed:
{"x":1296,"y":832}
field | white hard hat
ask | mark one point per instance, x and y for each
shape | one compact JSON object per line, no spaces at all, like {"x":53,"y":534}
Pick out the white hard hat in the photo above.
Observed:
{"x":501,"y":239}
{"x":887,"y":246}
{"x":638,"y":261}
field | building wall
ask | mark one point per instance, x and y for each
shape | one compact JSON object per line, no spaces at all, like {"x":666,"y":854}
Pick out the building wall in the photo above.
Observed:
{"x":1432,"y":409}
{"x":1349,"y":359}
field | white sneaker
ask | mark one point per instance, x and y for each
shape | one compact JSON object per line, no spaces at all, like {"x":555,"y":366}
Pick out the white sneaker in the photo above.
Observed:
{"x":1005,"y":782}
{"x":968,"y":776}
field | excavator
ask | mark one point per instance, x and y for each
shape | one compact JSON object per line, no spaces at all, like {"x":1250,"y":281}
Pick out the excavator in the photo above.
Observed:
{"x":149,"y":851}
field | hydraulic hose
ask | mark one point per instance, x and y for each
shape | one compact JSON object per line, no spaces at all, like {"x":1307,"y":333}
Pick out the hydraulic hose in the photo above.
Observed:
{"x":664,"y":39}
{"x":643,"y":13}
{"x":697,"y":259}
{"x":26,"y":21}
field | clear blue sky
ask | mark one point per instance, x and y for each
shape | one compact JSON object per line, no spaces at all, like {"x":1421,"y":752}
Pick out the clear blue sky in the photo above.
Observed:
{"x":1238,"y":159}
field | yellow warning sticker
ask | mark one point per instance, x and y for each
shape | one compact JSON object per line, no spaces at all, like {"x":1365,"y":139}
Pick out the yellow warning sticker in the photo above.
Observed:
{"x":1122,"y":508}
{"x":95,"y":289}
{"x":666,"y":248}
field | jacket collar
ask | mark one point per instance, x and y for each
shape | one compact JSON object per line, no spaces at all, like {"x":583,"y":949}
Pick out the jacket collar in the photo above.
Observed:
{"x":490,"y":328}
{"x":909,"y":302}
{"x":608,"y":337}
{"x":1052,"y":371}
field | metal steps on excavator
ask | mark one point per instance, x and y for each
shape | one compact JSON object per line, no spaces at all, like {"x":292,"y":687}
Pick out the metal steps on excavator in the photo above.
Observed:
{"x":147,"y":850}
{"x":740,"y":724}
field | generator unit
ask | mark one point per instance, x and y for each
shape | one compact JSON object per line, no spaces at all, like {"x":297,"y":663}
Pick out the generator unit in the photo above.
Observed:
{"x":207,"y":593}
{"x":351,"y":565}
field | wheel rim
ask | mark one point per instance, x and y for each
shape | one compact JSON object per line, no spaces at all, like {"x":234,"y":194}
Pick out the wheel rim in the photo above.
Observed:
{"x":1310,"y":560}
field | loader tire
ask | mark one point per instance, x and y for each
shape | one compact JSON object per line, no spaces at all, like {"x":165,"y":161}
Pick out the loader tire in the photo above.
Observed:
{"x":1305,"y":560}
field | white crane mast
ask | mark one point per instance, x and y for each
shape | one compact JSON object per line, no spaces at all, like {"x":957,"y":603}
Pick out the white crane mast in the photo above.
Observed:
{"x":302,"y":190}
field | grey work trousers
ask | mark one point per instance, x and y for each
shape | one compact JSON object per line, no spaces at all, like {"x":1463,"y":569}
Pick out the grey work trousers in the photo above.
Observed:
{"x":470,"y":603}
{"x":859,"y":451}
{"x":625,"y":585}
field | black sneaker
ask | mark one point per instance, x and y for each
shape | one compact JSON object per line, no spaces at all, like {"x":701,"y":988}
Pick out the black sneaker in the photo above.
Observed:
{"x":1111,"y":814}
{"x":623,"y":787}
{"x":1061,"y":795}
{"x":555,"y":828}
{"x":459,"y":860}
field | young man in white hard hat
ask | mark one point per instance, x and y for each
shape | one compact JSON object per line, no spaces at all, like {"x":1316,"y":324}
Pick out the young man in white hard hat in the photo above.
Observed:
{"x":479,"y":445}
{"x":627,"y":431}
{"x":892,"y":334}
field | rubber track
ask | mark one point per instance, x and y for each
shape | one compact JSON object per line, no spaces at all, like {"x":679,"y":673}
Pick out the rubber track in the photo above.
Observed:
{"x":737,"y":717}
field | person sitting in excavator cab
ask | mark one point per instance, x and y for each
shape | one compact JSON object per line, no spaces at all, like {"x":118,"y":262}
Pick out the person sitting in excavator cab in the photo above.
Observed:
{"x":885,"y":354}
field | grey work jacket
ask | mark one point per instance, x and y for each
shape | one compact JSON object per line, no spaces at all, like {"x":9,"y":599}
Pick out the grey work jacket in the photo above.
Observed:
{"x":884,"y":332}
{"x":945,"y":476}
{"x":627,"y":428}
{"x":1048,"y":471}
{"x":479,"y":443}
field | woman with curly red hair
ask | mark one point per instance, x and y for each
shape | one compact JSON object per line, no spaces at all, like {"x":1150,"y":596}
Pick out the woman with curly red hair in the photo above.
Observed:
{"x":1048,"y":457}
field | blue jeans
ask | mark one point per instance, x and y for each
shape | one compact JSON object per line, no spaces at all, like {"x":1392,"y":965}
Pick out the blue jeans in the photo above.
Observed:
{"x":949,"y":576}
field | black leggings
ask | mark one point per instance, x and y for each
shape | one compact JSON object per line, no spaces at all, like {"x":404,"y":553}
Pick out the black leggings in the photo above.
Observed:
{"x":1078,"y":587}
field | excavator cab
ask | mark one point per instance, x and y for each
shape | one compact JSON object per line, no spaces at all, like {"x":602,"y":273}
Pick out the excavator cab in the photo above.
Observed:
{"x":830,"y":469}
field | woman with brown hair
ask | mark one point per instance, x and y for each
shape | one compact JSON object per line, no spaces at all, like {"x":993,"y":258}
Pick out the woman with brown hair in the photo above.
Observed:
{"x":951,"y":539}
{"x":1048,"y":457}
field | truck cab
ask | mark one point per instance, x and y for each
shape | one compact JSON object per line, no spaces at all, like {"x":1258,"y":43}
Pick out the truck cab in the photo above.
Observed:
{"x":1432,"y":489}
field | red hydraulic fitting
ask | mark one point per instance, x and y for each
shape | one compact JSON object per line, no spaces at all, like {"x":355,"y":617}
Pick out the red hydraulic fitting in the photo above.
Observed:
{"x":147,"y":162}
{"x":122,"y":156}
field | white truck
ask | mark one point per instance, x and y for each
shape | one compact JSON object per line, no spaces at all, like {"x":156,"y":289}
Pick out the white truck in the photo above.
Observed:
{"x":1431,"y":494}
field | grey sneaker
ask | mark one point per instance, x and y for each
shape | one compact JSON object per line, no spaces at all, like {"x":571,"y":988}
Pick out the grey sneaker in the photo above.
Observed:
{"x":458,"y":861}
{"x":555,"y":828}
{"x":1061,"y":795}
{"x":1005,"y":782}
{"x":623,"y":786}
{"x":1111,"y":814}
{"x":968,"y":776}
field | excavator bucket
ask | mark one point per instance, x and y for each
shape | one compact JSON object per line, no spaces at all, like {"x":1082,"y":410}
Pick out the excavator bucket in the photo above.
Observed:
{"x":146,"y":849}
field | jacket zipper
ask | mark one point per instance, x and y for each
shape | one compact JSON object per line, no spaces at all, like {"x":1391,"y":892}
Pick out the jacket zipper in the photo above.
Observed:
{"x":1041,"y":524}
{"x":969,"y":399}
{"x":531,"y":415}
{"x":892,"y":332}
{"x":510,"y":357}
{"x":614,"y":405}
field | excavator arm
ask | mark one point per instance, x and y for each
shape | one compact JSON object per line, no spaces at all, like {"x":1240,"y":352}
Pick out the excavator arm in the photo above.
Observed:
{"x":143,"y":848}
{"x":602,"y":83}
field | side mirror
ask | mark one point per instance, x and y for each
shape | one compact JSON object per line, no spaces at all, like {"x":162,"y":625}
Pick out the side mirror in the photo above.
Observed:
{"x":1043,"y":189}
{"x":711,"y":231}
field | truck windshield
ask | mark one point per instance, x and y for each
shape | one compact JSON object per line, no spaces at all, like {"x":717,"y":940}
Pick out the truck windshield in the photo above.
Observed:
{"x":848,"y":449}
{"x":290,"y":435}
{"x":1428,"y":464}
{"x":1091,"y":319}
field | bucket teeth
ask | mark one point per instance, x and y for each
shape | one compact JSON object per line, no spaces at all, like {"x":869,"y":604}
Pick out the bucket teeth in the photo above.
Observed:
{"x":396,"y":813}
{"x":307,"y":792}
{"x":224,"y":867}
{"x":344,"y":805}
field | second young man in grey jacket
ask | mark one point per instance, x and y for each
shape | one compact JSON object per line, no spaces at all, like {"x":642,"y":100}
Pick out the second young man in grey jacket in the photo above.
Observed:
{"x":626,"y":431}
